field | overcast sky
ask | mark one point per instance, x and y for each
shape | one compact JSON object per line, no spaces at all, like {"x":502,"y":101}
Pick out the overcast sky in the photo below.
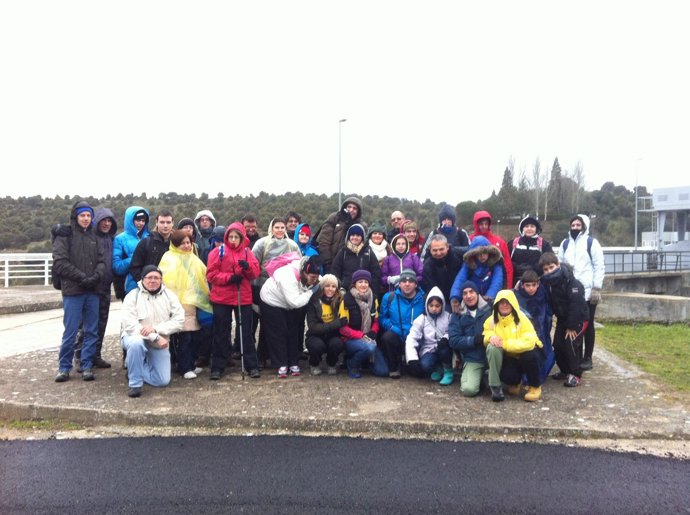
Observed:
{"x":242,"y":97}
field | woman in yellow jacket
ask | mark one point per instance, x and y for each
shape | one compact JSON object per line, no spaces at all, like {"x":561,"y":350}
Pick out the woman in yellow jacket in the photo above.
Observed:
{"x":512,"y":349}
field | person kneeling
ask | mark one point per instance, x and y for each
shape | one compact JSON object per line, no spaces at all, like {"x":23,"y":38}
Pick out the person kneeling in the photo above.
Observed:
{"x":426,"y":347}
{"x":150,"y":314}
{"x":512,"y":349}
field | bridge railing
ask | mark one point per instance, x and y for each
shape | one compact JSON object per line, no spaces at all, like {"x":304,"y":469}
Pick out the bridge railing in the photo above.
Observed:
{"x":26,"y":269}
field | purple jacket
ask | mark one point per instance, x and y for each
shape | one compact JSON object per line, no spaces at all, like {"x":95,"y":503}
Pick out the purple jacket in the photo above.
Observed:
{"x":392,"y":265}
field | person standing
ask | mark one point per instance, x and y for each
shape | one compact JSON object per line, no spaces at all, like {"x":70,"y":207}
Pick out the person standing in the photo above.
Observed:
{"x":150,"y":249}
{"x":441,"y":268}
{"x":136,"y":227}
{"x":526,"y":249}
{"x":331,"y":236}
{"x":584,"y":254}
{"x":78,"y":260}
{"x":457,"y":238}
{"x":396,"y":222}
{"x":204,"y":222}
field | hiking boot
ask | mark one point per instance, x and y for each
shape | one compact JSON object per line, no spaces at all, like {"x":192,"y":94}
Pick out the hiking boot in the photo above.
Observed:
{"x":283,"y":372}
{"x":315,"y":370}
{"x":586,"y":364}
{"x":497,"y":393}
{"x":295,"y":371}
{"x":513,"y":389}
{"x":448,"y":377}
{"x":572,"y":381}
{"x":254,"y":373}
{"x":331,"y":371}
{"x":437,"y":374}
{"x":215,"y":375}
{"x":99,"y":362}
{"x":533,"y":393}
{"x":559,"y":376}
{"x":134,"y":391}
{"x":87,"y":375}
{"x":62,"y":376}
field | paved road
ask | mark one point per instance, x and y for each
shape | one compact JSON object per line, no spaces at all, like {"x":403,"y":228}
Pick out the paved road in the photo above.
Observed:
{"x":328,"y":475}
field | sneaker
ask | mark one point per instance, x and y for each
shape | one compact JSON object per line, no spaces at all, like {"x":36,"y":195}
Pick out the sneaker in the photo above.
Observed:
{"x":572,"y":381}
{"x":62,"y":376}
{"x":437,"y":374}
{"x":215,"y":375}
{"x":586,"y":364}
{"x":354,"y":373}
{"x":315,"y":370}
{"x":295,"y":371}
{"x":87,"y":375}
{"x":189,"y":375}
{"x":283,"y":372}
{"x":533,"y":393}
{"x":497,"y":393}
{"x":395,"y":374}
{"x":559,"y":376}
{"x":331,"y":371}
{"x":134,"y":391}
{"x":99,"y":362}
{"x":448,"y":377}
{"x":254,"y":373}
{"x":513,"y":389}
{"x":198,"y":370}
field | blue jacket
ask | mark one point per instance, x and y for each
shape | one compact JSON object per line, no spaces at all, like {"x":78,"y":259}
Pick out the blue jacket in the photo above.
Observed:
{"x":125,"y":243}
{"x":464,"y":327}
{"x":398,"y":312}
{"x":488,"y":276}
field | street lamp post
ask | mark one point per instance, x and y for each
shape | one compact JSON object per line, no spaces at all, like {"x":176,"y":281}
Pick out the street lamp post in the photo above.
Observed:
{"x":340,"y":162}
{"x":637,"y":169}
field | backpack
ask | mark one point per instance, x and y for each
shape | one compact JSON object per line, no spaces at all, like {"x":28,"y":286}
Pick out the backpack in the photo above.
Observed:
{"x":516,"y":242}
{"x":55,"y":231}
{"x":590,"y":239}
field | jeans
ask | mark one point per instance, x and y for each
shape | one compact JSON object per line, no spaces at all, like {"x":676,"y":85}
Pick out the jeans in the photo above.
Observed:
{"x":146,"y":364}
{"x":430,"y":362}
{"x":103,"y":313}
{"x":78,"y":310}
{"x":359,"y":351}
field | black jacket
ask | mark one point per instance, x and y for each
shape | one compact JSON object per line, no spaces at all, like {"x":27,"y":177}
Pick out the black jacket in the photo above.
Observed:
{"x":567,"y":297}
{"x":149,"y":251}
{"x":441,"y":272}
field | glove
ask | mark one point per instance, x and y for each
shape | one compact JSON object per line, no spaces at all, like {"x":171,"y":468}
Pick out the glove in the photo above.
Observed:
{"x":343,"y":321}
{"x":393,"y":280}
{"x":89,"y":283}
{"x":371,"y":335}
{"x":595,"y":297}
{"x":443,"y":343}
{"x":235,"y":279}
{"x":243,"y":264}
{"x":479,"y":340}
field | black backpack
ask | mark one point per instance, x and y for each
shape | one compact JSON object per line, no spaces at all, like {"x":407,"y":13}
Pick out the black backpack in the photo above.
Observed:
{"x":55,"y":231}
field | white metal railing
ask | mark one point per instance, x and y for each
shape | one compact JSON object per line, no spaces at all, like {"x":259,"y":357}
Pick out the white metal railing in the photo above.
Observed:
{"x":27,"y":268}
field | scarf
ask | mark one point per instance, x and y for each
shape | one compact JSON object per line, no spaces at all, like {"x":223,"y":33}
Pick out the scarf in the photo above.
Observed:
{"x":354,"y":248}
{"x":380,"y":250}
{"x":365,"y":302}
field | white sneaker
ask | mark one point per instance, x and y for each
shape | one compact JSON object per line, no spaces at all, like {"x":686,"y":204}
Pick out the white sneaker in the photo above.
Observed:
{"x":316,"y":371}
{"x":189,"y":375}
{"x":198,"y":370}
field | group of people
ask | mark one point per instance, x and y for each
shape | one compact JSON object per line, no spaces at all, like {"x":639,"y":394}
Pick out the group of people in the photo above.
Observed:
{"x":367,"y":298}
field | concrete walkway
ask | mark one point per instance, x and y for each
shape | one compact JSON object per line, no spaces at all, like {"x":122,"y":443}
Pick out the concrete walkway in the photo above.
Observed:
{"x":616,"y":402}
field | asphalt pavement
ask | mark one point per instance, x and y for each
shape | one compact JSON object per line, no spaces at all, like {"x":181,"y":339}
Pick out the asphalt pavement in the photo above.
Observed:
{"x":616,"y":401}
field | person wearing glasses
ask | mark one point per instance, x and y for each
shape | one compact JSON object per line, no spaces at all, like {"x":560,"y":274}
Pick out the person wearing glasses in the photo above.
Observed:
{"x":396,"y":221}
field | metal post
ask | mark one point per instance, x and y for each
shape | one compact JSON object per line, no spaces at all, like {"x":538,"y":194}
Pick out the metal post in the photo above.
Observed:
{"x":637,"y":168}
{"x":340,"y":162}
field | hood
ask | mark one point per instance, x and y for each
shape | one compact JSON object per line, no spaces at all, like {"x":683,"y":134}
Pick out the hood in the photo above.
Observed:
{"x":447,"y":212}
{"x":239,"y":227}
{"x":477,"y":246}
{"x":129,"y":227}
{"x":73,"y":214}
{"x":218,"y":235}
{"x":101,"y":214}
{"x":478,"y":216}
{"x":508,"y":295}
{"x":296,"y":236}
{"x":396,"y":238}
{"x":585,"y":223}
{"x":377,"y":227}
{"x":353,"y":200}
{"x":434,"y":292}
{"x":204,"y":212}
{"x":529,"y":219}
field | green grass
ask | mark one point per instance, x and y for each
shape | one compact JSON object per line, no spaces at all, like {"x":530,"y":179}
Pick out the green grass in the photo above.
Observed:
{"x":662,"y":350}
{"x":49,"y":425}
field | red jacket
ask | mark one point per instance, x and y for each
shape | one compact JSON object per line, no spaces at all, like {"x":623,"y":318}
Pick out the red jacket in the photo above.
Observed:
{"x":223,"y":263}
{"x":494,"y":240}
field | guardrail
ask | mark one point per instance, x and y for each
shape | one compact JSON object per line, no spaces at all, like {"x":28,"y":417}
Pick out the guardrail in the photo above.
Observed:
{"x":26,"y":269}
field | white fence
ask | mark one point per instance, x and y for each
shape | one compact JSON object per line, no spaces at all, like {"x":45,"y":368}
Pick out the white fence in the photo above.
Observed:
{"x":24,"y":269}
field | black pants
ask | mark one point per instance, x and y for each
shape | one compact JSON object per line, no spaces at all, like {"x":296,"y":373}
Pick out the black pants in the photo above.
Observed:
{"x":331,"y":345}
{"x":281,"y":328}
{"x":184,"y":345}
{"x":393,"y":348}
{"x":222,"y":323}
{"x":528,"y":363}
{"x":589,"y":332}
{"x":103,"y":313}
{"x":568,"y":352}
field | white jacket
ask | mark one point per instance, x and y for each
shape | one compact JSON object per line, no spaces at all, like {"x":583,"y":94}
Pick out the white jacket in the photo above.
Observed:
{"x":284,"y":289}
{"x":426,"y":331}
{"x":140,"y":308}
{"x":589,"y":271}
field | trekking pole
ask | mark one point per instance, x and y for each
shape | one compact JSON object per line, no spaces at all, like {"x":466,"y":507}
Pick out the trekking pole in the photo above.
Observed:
{"x":239,"y":328}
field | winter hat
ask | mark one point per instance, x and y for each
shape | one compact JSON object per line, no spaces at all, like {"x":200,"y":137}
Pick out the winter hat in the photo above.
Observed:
{"x":185,"y":222}
{"x":83,"y":209}
{"x":141,"y":215}
{"x":355,"y":229}
{"x":377,"y":227}
{"x":446,"y":212}
{"x":329,"y":279}
{"x":468,"y":284}
{"x":312,"y":265}
{"x":529,"y":219}
{"x":359,"y":275}
{"x":305,"y":229}
{"x":408,"y":275}
{"x":150,"y":268}
{"x":408,"y":224}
